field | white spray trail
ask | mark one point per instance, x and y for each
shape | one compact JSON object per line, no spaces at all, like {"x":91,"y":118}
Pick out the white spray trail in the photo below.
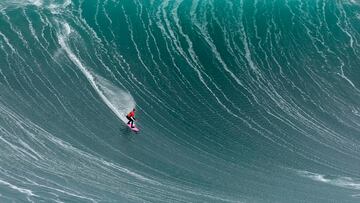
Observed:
{"x":118,"y":100}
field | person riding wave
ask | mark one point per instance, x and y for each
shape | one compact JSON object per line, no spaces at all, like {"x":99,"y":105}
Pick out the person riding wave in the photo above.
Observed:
{"x":131,"y":118}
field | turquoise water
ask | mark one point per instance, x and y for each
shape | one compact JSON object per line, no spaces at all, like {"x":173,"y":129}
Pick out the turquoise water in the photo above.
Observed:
{"x":237,"y":101}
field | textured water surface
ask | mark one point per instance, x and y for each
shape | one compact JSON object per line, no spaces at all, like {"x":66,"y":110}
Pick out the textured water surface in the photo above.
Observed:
{"x":237,"y":101}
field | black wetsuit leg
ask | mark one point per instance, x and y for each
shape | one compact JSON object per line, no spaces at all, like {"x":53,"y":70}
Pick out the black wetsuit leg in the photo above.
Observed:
{"x":130,"y":120}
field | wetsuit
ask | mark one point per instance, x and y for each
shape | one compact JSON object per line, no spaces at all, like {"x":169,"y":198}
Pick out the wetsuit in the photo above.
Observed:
{"x":131,"y":118}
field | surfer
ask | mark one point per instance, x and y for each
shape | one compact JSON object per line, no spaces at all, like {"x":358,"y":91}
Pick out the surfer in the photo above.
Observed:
{"x":131,"y":118}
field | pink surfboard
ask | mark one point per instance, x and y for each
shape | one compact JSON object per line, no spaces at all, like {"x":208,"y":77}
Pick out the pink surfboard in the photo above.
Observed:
{"x":135,"y":129}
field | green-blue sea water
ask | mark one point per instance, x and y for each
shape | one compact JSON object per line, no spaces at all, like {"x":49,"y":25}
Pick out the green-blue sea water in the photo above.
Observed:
{"x":236,"y":101}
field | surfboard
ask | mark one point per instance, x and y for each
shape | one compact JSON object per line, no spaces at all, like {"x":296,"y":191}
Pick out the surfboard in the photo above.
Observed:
{"x":135,"y":129}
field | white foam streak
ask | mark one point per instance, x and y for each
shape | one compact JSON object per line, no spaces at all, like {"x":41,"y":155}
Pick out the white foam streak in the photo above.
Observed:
{"x":344,"y":182}
{"x":19,"y":189}
{"x":111,"y":95}
{"x":36,"y":2}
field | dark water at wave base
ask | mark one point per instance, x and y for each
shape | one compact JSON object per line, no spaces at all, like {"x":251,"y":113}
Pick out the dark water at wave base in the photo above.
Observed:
{"x":237,"y":101}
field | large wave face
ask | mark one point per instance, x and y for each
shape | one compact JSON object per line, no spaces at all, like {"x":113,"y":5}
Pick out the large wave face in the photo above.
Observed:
{"x":237,"y":101}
